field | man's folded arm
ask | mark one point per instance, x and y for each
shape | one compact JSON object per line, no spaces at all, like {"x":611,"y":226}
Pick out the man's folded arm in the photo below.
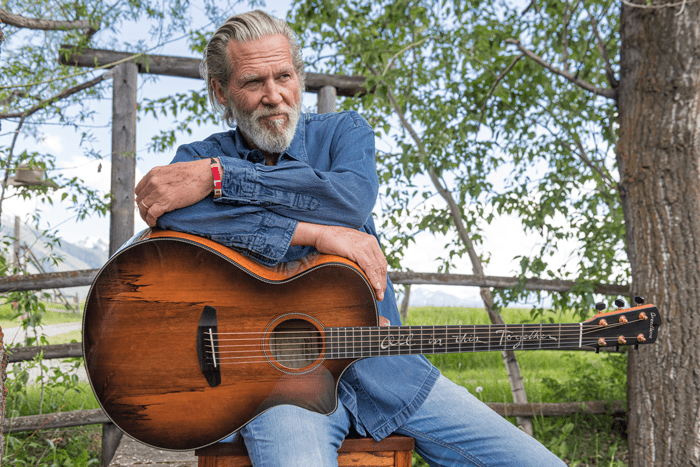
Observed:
{"x":343,"y":194}
{"x":266,"y":236}
{"x":261,"y":234}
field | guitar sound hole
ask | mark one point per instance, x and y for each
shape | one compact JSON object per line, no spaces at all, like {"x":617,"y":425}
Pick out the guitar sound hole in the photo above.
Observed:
{"x":295,"y":343}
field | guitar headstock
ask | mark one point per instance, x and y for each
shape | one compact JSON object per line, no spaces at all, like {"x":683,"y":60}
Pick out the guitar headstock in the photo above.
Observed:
{"x":631,"y":326}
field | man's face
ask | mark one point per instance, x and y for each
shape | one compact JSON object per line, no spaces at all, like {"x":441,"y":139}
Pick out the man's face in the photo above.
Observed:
{"x":264,"y":92}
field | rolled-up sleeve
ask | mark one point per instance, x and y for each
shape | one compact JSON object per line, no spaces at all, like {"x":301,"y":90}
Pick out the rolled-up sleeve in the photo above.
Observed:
{"x":261,"y":234}
{"x":257,"y":232}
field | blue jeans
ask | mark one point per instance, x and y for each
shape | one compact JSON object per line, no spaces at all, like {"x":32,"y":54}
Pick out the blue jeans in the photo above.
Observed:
{"x":451,"y":428}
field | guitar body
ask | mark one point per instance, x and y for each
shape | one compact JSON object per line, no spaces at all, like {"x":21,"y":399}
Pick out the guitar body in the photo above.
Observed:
{"x":140,"y":336}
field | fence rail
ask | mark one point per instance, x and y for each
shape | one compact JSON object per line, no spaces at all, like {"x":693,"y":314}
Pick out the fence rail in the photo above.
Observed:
{"x":84,"y":277}
{"x":98,"y":417}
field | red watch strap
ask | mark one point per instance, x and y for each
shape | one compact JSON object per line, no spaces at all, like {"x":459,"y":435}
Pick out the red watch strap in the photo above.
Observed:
{"x":217,"y":178}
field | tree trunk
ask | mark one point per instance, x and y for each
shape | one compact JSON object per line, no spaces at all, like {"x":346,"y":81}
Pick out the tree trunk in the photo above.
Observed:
{"x":658,"y":158}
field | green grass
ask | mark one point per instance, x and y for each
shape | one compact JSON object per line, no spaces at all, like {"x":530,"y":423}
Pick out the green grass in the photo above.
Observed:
{"x":66,"y":338}
{"x":9,"y":319}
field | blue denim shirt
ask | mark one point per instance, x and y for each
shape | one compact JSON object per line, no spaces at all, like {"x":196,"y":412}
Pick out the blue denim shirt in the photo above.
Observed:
{"x":326,"y":176}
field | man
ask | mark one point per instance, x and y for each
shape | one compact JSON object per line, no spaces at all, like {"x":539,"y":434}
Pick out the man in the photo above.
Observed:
{"x":292,"y":183}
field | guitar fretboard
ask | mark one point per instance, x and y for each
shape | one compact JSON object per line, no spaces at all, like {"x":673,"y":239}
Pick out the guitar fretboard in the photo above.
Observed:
{"x":360,"y":342}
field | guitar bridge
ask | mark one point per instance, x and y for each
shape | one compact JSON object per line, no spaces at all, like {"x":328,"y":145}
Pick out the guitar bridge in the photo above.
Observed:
{"x":208,"y":346}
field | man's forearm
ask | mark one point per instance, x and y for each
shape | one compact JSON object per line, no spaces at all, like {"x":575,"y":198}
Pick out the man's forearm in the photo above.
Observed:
{"x":357,"y":246}
{"x":174,"y":186}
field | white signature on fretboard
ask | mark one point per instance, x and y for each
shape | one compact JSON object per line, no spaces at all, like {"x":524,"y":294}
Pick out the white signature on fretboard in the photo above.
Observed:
{"x":508,"y":336}
{"x":396,"y":341}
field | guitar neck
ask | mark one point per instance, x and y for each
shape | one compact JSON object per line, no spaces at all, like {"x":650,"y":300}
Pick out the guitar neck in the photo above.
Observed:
{"x":359,"y":342}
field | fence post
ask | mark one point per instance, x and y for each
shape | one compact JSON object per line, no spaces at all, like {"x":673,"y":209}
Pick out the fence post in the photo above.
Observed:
{"x":404,"y":303}
{"x":3,"y":393}
{"x":326,"y":99}
{"x":121,"y":224}
{"x":111,"y":435}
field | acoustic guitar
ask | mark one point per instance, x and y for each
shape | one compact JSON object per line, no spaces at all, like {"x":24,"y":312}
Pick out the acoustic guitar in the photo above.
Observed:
{"x":186,"y":341}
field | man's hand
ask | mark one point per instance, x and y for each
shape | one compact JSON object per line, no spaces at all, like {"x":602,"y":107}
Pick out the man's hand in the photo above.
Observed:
{"x":352,"y":244}
{"x":171,"y":187}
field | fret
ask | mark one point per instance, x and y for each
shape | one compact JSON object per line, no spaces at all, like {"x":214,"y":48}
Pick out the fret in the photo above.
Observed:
{"x":460,"y":339}
{"x":453,"y":338}
{"x":353,"y":341}
{"x":580,"y":335}
{"x":498,"y":337}
{"x":345,"y":343}
{"x":367,"y":341}
{"x":383,"y":334}
{"x":338,"y":344}
{"x":559,"y":338}
{"x":364,"y":341}
{"x":330,"y":343}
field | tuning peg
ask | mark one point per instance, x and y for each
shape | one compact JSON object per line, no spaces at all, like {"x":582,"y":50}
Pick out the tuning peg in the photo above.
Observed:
{"x":639,"y":300}
{"x":619,"y":303}
{"x":600,"y":306}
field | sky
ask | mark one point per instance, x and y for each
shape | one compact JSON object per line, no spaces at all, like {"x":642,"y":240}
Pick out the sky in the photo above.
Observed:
{"x":505,"y":238}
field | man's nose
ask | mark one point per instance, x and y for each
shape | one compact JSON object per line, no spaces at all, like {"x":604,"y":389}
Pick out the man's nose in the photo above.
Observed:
{"x":272,"y":93}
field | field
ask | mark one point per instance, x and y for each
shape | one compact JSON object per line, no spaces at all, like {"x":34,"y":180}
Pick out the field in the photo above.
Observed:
{"x":549,"y":376}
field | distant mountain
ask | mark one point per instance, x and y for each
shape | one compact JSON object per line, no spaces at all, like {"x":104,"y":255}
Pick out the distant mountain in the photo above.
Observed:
{"x":422,"y":297}
{"x":88,"y":253}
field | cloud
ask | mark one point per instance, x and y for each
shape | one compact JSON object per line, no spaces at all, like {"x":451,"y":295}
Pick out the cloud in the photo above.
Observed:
{"x":52,"y":144}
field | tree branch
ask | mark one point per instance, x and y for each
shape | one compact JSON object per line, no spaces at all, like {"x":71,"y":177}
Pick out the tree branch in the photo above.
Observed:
{"x":609,"y":93}
{"x":614,"y":83}
{"x":44,"y":24}
{"x":565,"y":38}
{"x":408,"y":47}
{"x":493,"y":88}
{"x":584,"y":157}
{"x":61,"y":95}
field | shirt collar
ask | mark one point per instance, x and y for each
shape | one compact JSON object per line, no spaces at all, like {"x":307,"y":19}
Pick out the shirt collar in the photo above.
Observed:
{"x":296,"y":150}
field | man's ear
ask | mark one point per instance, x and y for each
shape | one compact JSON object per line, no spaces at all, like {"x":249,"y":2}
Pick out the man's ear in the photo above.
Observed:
{"x":218,"y":91}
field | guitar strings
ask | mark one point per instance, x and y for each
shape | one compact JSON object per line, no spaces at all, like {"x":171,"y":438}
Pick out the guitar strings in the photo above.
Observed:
{"x":353,"y":338}
{"x":265,"y":358}
{"x":354,"y":348}
{"x":574,"y":328}
{"x":386,"y":331}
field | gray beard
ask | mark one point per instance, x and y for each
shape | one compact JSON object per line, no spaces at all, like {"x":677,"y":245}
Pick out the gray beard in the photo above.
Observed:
{"x":275,"y":140}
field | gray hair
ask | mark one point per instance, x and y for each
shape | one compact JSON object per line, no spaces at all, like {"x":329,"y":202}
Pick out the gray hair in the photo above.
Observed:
{"x":246,"y":27}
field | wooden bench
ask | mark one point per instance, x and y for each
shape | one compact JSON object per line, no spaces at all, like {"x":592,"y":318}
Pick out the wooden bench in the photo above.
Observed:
{"x":354,"y":452}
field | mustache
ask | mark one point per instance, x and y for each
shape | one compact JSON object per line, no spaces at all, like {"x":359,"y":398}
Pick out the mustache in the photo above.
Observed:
{"x":269,"y":112}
